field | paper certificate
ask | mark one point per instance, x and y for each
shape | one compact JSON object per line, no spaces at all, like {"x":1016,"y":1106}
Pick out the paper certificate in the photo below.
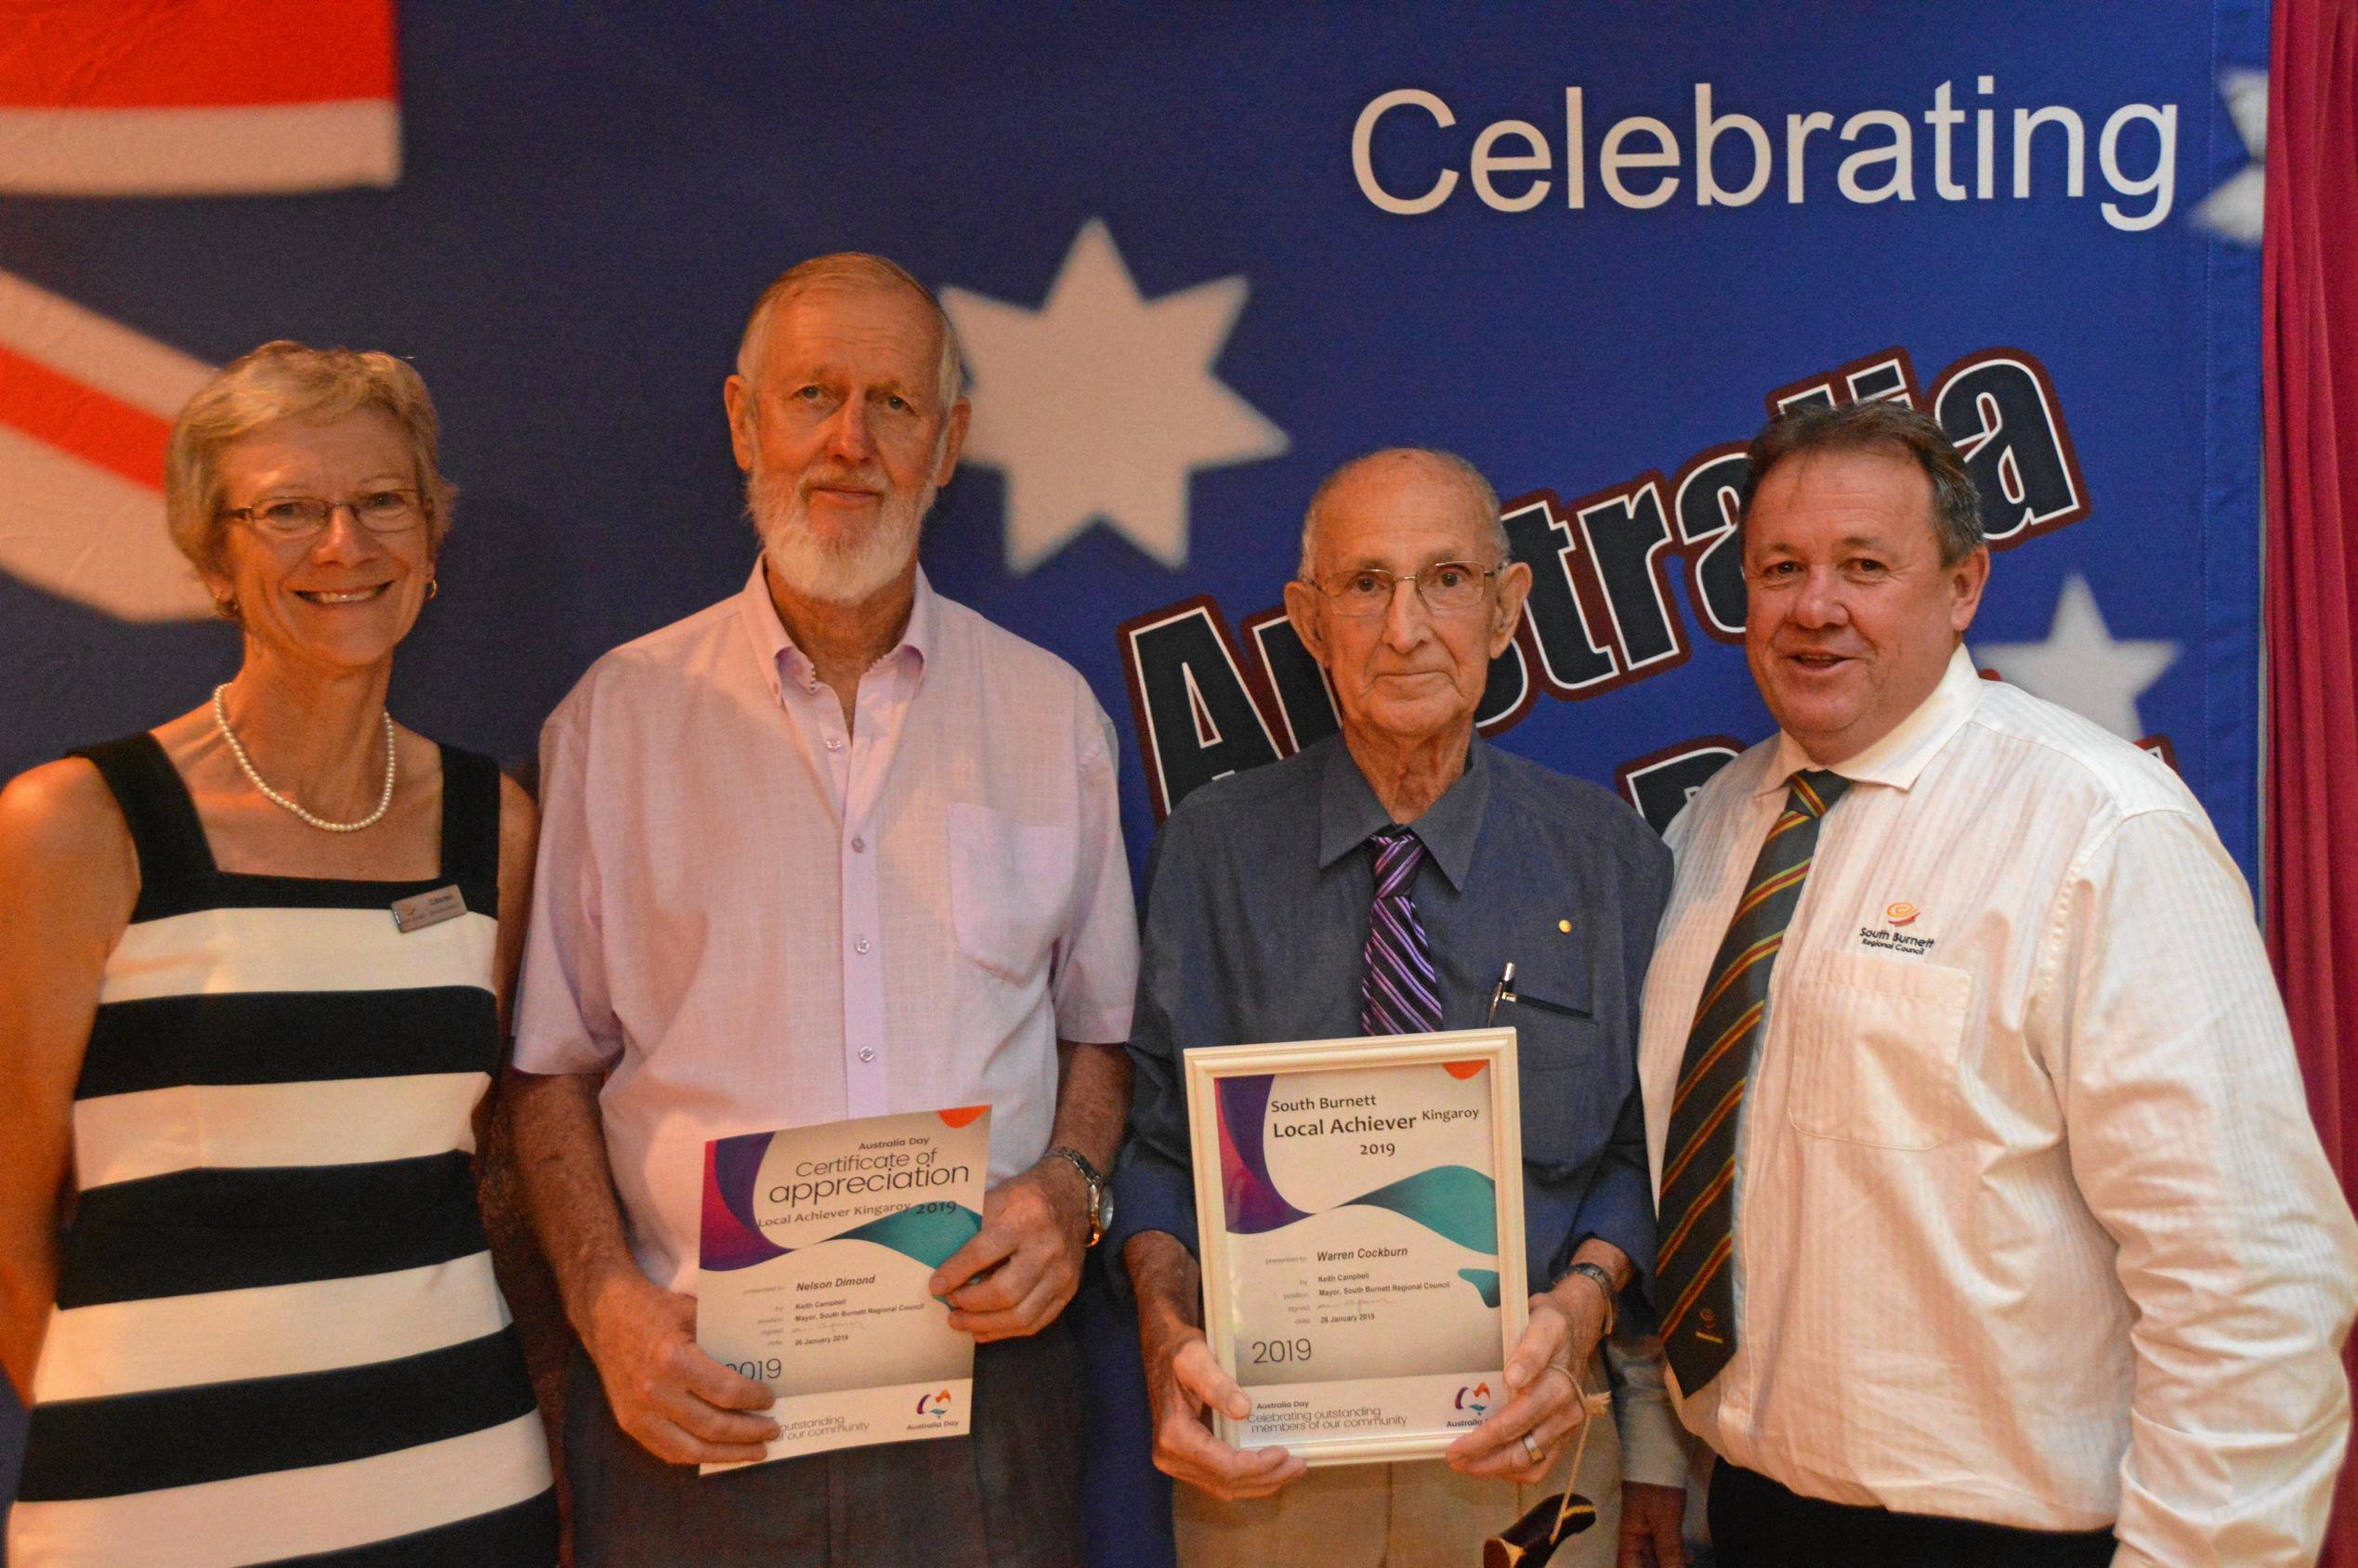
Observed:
{"x":819,"y":1243}
{"x":1361,"y":1214}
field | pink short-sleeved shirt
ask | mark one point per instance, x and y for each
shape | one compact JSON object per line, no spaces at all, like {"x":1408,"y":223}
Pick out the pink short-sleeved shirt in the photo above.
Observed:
{"x":751,"y":919}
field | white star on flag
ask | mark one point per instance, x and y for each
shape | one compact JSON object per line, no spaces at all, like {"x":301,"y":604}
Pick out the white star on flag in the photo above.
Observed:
{"x":1098,"y":406}
{"x":2082,"y":666}
{"x":2234,"y":210}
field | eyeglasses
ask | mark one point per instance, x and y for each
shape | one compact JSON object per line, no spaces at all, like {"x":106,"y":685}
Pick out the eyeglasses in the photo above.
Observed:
{"x":1443,"y":586}
{"x":290,"y":518}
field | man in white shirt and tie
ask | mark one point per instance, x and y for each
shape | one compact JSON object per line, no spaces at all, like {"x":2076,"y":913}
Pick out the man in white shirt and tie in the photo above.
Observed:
{"x":1993,"y":1226}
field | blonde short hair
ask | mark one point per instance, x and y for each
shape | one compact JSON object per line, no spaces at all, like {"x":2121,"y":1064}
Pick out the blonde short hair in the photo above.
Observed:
{"x":285,"y":380}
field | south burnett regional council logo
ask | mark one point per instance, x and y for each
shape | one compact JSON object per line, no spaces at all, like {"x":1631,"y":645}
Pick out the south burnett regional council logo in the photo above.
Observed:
{"x":1475,"y":1399}
{"x":1893,"y":936}
{"x":935,"y":1405}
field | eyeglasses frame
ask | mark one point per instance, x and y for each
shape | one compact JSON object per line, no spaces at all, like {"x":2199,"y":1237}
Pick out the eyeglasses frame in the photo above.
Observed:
{"x":421,"y":508}
{"x":1489,"y":574}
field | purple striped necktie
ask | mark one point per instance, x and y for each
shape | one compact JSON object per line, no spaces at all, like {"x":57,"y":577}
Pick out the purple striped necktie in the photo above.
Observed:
{"x":1399,"y":994}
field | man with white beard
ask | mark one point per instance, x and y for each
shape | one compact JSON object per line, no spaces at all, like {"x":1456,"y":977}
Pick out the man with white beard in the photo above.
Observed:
{"x":834,"y":847}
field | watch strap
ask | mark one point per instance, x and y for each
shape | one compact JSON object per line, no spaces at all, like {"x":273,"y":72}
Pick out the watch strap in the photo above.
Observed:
{"x":1088,"y":1173}
{"x":1096,"y":1180}
{"x":1604,"y":1284}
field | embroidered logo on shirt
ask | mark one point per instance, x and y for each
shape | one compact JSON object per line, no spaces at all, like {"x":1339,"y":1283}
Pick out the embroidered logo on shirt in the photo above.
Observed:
{"x":1890,"y":938}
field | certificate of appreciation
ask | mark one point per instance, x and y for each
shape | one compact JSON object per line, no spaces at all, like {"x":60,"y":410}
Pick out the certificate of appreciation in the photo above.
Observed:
{"x":817,"y":1245}
{"x":1361,"y":1210}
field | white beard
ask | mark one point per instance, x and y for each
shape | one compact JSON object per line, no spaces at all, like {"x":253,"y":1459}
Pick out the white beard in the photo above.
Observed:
{"x":843,"y":573}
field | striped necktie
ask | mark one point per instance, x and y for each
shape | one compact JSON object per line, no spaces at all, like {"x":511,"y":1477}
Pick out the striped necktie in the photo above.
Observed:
{"x":1697,"y":1208}
{"x":1399,"y":994}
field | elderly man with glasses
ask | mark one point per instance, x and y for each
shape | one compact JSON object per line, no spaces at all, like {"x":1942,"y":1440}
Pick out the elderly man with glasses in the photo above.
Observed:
{"x":1257,"y":930}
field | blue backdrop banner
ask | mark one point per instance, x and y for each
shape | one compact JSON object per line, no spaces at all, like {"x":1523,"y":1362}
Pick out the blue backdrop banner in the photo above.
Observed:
{"x":1197,"y":259}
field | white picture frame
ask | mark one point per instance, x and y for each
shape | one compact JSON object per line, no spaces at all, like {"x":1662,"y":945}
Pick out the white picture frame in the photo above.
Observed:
{"x":1301,"y":1065}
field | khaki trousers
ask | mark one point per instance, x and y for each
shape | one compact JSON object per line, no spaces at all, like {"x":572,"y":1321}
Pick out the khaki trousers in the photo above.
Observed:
{"x":1421,"y":1515}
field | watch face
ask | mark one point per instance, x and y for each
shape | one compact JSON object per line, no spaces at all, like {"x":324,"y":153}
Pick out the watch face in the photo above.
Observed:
{"x":1105,"y":1209}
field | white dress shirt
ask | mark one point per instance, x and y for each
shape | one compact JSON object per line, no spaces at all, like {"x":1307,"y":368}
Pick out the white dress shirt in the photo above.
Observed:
{"x":2032,"y":1224}
{"x":753,"y":920}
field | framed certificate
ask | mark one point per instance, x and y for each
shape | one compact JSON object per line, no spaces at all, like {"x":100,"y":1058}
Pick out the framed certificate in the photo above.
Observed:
{"x":819,"y":1243}
{"x":1360,"y":1204}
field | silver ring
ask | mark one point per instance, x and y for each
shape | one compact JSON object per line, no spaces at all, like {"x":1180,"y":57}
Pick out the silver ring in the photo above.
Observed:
{"x":1531,"y":1446}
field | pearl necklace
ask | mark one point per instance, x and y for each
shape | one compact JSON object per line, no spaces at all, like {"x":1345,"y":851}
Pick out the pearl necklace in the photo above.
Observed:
{"x":246,"y":765}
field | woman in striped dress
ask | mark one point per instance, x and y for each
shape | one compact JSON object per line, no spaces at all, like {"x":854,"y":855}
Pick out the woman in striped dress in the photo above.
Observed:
{"x":257,"y":964}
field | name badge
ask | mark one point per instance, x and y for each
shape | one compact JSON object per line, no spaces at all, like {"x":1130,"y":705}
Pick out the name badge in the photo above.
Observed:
{"x":420,"y":910}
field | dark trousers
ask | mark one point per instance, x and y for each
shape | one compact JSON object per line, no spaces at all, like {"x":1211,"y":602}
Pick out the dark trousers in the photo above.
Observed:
{"x":1757,"y":1524}
{"x":1007,"y":1495}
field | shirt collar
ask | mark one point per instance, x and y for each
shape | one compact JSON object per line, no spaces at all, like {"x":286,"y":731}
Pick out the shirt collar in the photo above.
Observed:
{"x":1349,"y":812}
{"x":1898,"y":758}
{"x":781,"y":660}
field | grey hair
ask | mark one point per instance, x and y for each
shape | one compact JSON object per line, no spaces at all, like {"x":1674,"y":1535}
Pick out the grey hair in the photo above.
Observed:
{"x":1956,"y":505}
{"x":285,"y":380}
{"x":850,"y":266}
{"x":1478,"y":490}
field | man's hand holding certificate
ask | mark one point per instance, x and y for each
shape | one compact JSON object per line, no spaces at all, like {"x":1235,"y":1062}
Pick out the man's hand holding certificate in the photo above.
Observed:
{"x":819,"y":1249}
{"x":1360,"y":1206}
{"x":1023,"y":1266}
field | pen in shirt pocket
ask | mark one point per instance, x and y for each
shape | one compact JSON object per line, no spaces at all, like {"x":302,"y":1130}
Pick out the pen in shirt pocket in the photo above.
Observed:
{"x":1504,"y":993}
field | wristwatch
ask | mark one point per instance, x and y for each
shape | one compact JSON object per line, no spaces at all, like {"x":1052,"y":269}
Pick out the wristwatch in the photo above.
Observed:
{"x":1603,"y":1283}
{"x":1100,"y":1195}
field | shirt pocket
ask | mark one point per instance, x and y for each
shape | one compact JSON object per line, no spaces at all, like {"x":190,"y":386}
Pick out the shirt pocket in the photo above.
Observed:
{"x":1566,"y":1059}
{"x":1009,"y":883}
{"x":1877,"y":1042}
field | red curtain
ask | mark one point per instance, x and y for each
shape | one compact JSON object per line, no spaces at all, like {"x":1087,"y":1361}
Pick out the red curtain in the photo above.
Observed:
{"x":2310,"y":327}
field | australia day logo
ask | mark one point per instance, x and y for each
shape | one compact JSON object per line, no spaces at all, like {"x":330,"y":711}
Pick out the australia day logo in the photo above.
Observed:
{"x":1475,"y":1400}
{"x":936,"y":1406}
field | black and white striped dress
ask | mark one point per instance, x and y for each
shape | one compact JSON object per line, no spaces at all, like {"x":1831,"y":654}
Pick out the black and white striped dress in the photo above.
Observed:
{"x":277,"y":1335}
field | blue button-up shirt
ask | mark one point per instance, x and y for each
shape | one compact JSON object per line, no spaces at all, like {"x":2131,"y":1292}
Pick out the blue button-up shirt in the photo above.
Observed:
{"x":1257,"y":901}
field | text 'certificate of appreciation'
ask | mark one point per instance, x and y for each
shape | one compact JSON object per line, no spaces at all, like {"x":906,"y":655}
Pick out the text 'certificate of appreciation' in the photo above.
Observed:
{"x":1365,"y":1270}
{"x":819,"y":1243}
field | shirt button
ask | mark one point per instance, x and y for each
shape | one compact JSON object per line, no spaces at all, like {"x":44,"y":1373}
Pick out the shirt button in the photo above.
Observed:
{"x":834,"y":742}
{"x":860,"y":945}
{"x":858,"y":845}
{"x":868,"y":1054}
